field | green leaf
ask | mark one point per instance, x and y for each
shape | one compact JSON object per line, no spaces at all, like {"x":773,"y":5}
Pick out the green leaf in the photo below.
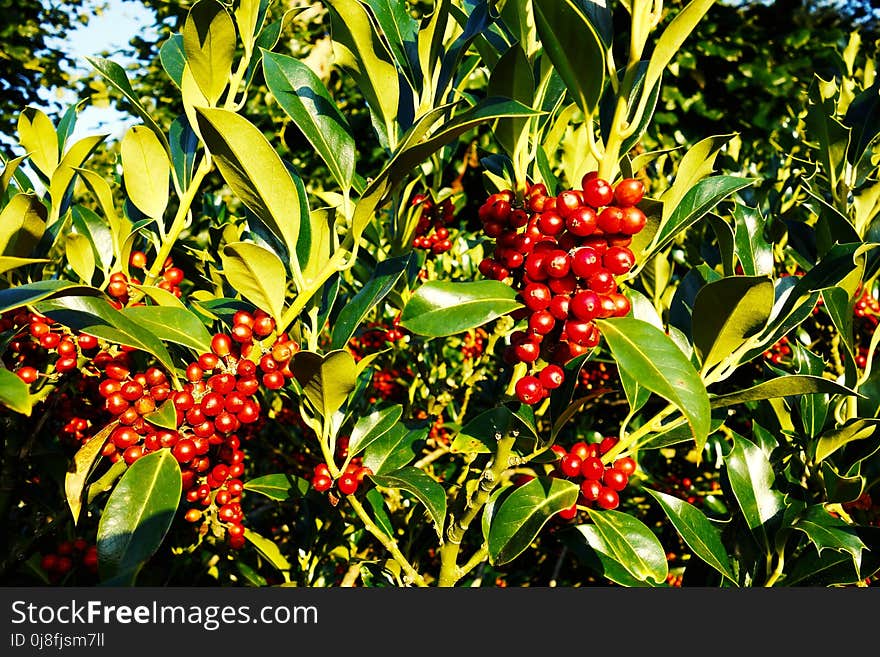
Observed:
{"x":98,"y":233}
{"x":751,"y":477}
{"x":145,"y":170}
{"x":423,"y":487}
{"x":754,"y":252}
{"x":726,"y":313}
{"x":353,"y":313}
{"x":38,"y":138}
{"x":116,"y":76}
{"x":827,"y":532}
{"x":394,"y":449}
{"x":80,"y":256}
{"x":31,"y":293}
{"x":783,"y":386}
{"x":279,"y":487}
{"x":359,"y":49}
{"x":269,"y":549}
{"x":400,"y":30}
{"x":576,"y":51}
{"x":832,"y":138}
{"x":440,"y":308}
{"x":8,"y":263}
{"x":209,"y":43}
{"x":305,"y":99}
{"x":22,"y":224}
{"x":84,"y":462}
{"x":326,"y":380}
{"x":97,"y":317}
{"x":173,"y":58}
{"x":863,"y":119}
{"x":258,"y":274}
{"x":14,"y":393}
{"x":138,"y":514}
{"x":370,"y":428}
{"x":480,"y":434}
{"x":380,"y":513}
{"x":632,"y":544}
{"x":522,"y":514}
{"x":171,"y":324}
{"x":165,"y":416}
{"x":695,"y":529}
{"x":672,"y":38}
{"x":254,"y":171}
{"x":60,"y":187}
{"x":512,"y":77}
{"x":651,"y":357}
{"x":696,"y":203}
{"x":599,"y":556}
{"x":853,"y":429}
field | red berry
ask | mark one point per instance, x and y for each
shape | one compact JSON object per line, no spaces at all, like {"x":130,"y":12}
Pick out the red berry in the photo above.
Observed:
{"x":618,"y":260}
{"x":608,"y":499}
{"x":614,"y":479}
{"x":27,"y":374}
{"x":626,"y":464}
{"x":529,"y":390}
{"x":629,"y":191}
{"x":597,"y":192}
{"x":221,"y":344}
{"x":592,"y":468}
{"x":633,"y":221}
{"x":551,"y":377}
{"x":570,"y":465}
{"x":569,"y":513}
{"x":347,"y":484}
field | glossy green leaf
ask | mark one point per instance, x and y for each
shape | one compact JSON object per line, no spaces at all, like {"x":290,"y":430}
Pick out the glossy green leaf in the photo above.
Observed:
{"x":80,"y":256}
{"x":269,"y":549}
{"x":400,"y":30}
{"x":425,"y":489}
{"x":395,"y":448}
{"x":14,"y":393}
{"x":751,"y":478}
{"x":138,"y":514}
{"x":832,"y":137}
{"x":353,"y":313}
{"x":522,"y":514}
{"x":165,"y":416}
{"x":172,"y":324}
{"x":863,"y":119}
{"x":326,"y":380}
{"x":695,"y":204}
{"x":791,"y":385}
{"x":594,"y":550}
{"x":672,"y":38}
{"x":60,"y":186}
{"x":9,"y":263}
{"x":279,"y":487}
{"x":370,"y":428}
{"x":145,"y":170}
{"x":38,"y":138}
{"x":571,"y":43}
{"x":650,"y":356}
{"x":116,"y":76}
{"x":22,"y":224}
{"x":359,"y":49}
{"x":632,"y":543}
{"x":726,"y":313}
{"x":257,"y":274}
{"x":118,"y":228}
{"x":695,"y":529}
{"x":254,"y":171}
{"x":828,"y":532}
{"x":377,"y":504}
{"x":833,"y":439}
{"x":209,"y":43}
{"x":304,"y":98}
{"x":173,"y":58}
{"x":10,"y":172}
{"x":512,"y":77}
{"x":95,"y":316}
{"x":31,"y":293}
{"x":440,"y":308}
{"x":98,"y":232}
{"x":754,"y":252}
{"x":481,"y":433}
{"x":82,"y":467}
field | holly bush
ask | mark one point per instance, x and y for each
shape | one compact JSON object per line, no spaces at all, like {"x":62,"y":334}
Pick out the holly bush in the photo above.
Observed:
{"x":491,"y":325}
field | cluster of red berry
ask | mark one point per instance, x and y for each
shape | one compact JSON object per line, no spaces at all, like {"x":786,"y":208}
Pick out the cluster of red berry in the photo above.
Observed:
{"x":600,"y":483}
{"x":119,"y":285}
{"x":39,"y":343}
{"x":348,"y":481}
{"x":431,"y":232}
{"x":474,"y":344}
{"x":67,"y":556}
{"x":867,"y":318}
{"x":215,"y":404}
{"x":562,"y":253}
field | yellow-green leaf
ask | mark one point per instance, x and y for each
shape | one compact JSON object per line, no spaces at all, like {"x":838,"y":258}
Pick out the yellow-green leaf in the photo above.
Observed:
{"x":257,"y":273}
{"x":209,"y":43}
{"x":145,"y":170}
{"x":22,"y":224}
{"x":38,"y":137}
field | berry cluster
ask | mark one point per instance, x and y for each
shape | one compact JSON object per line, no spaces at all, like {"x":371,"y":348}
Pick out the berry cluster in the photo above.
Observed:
{"x":431,"y":232}
{"x":600,"y":483}
{"x":562,"y":253}
{"x":474,"y":344}
{"x":38,"y":343}
{"x":215,"y":404}
{"x":348,"y":481}
{"x":67,"y":556}
{"x":119,"y":285}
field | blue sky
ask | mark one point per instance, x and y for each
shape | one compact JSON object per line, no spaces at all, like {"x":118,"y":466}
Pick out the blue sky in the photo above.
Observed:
{"x":106,"y":35}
